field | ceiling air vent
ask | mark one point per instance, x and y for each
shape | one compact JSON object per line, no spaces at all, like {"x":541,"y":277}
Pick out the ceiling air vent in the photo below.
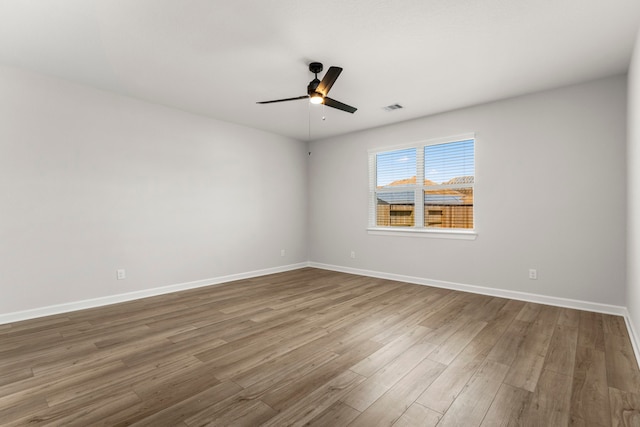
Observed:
{"x":392,"y":107}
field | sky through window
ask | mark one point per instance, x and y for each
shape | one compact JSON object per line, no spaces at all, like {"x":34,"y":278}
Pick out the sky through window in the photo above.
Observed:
{"x":442,"y":162}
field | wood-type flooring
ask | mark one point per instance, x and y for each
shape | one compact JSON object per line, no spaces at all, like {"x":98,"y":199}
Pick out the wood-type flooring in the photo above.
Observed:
{"x":320,"y":348}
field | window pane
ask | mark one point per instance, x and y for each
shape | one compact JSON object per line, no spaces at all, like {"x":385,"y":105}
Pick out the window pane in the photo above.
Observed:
{"x":448,"y":170}
{"x":395,"y":168}
{"x":449,"y":163}
{"x":395,"y":209}
{"x":448,"y":208}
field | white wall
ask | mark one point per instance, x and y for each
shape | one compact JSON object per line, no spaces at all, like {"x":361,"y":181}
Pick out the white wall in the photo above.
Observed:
{"x":550,"y":194}
{"x":633,"y":166}
{"x":91,"y":182}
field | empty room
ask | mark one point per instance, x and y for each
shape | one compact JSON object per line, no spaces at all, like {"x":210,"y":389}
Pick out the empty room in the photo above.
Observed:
{"x":338,"y":213}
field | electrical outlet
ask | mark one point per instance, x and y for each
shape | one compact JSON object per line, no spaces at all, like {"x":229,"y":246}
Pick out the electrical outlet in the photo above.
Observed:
{"x":121,"y":274}
{"x":353,"y":254}
{"x":282,"y":252}
{"x":533,"y":274}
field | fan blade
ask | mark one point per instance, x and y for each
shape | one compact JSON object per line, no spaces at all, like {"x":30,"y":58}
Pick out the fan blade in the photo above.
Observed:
{"x":328,"y":80}
{"x":339,"y":105}
{"x":282,"y":100}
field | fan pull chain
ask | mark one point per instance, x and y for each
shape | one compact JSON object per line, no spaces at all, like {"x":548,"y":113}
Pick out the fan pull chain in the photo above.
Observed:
{"x":309,"y":121}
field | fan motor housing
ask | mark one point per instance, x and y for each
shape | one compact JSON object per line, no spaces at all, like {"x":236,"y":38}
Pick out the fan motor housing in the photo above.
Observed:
{"x":313,"y":85}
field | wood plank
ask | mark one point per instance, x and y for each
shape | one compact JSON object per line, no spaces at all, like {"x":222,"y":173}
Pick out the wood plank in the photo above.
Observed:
{"x":389,"y":352}
{"x":390,"y":406}
{"x":122,"y":379}
{"x":316,"y":402}
{"x":361,"y":397}
{"x":28,"y":328}
{"x":443,"y":391}
{"x":418,"y":415}
{"x":40,"y":359}
{"x":12,"y":394}
{"x":487,"y":338}
{"x":561,"y":354}
{"x":569,"y":317}
{"x":22,"y":408}
{"x":169,"y":390}
{"x":591,"y":330}
{"x":305,"y":375}
{"x":529,"y":312}
{"x":287,"y":391}
{"x":546,"y":319}
{"x":507,"y":408}
{"x":411,"y":315}
{"x":625,"y":408}
{"x":336,"y":415}
{"x":92,"y":413}
{"x":448,"y":313}
{"x":452,"y":346}
{"x":551,"y":401}
{"x":622,"y":368}
{"x":485,"y":310}
{"x":229,"y":368}
{"x":471,"y":405}
{"x":284,"y":365}
{"x":175,"y":414}
{"x":16,"y":373}
{"x":505,"y":349}
{"x":529,"y":360}
{"x":590,"y":394}
{"x":245,"y":413}
{"x":614,"y":325}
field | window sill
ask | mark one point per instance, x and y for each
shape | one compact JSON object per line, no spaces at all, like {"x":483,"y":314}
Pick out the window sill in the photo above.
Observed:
{"x":422,"y":232}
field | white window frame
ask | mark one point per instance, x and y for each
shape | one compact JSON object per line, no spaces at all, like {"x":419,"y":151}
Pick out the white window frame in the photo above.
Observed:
{"x":418,"y":230}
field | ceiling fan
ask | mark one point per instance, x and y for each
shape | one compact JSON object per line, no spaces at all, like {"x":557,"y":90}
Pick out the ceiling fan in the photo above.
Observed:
{"x":317,"y":90}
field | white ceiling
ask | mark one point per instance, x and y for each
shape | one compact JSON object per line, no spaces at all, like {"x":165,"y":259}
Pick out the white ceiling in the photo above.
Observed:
{"x":217,"y":58}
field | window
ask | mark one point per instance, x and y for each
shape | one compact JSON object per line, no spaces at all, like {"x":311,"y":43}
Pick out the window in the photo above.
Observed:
{"x":439,"y":175}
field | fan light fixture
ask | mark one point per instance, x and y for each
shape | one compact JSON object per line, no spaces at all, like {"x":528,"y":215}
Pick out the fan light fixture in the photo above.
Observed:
{"x":316,"y":98}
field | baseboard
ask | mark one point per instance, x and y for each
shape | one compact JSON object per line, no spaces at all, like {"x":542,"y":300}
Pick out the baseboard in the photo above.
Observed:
{"x":521,"y":296}
{"x":114,"y":299}
{"x":633,"y":336}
